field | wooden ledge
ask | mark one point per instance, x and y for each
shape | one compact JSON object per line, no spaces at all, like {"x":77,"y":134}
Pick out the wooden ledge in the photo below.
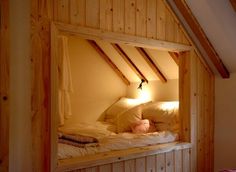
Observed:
{"x":116,"y":156}
{"x":113,"y":37}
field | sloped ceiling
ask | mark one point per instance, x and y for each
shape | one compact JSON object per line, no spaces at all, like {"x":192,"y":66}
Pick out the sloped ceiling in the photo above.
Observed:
{"x":218,"y":20}
{"x":162,"y":60}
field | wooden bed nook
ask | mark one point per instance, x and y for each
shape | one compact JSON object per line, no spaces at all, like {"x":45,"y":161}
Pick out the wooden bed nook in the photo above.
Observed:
{"x":127,"y":70}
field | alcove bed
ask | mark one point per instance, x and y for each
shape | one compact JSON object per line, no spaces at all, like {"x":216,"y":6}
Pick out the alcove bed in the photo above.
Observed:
{"x":140,"y":23}
{"x":166,"y":150}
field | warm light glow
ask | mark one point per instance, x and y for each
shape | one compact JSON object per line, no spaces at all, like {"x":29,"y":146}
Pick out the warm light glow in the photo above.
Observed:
{"x":144,"y":95}
{"x":170,"y":105}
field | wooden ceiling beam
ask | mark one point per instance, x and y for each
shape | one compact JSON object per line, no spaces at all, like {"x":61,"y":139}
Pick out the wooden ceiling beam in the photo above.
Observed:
{"x":198,"y":31}
{"x":152,"y":64}
{"x":109,"y":61}
{"x":175,"y":57}
{"x":233,"y":3}
{"x":129,"y":62}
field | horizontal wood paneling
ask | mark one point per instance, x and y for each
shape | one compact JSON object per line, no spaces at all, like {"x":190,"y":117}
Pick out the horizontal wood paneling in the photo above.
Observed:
{"x":146,"y":18}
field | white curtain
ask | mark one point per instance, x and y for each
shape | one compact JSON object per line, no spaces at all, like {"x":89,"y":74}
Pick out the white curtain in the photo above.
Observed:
{"x":65,"y":81}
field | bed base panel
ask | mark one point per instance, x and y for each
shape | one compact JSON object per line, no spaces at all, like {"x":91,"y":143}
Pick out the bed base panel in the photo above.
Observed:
{"x":159,"y":158}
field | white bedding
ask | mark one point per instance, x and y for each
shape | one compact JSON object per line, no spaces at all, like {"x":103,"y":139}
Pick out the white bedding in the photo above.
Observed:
{"x":109,"y":140}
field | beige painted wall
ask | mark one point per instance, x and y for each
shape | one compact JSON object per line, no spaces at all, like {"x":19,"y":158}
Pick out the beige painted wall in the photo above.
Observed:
{"x":96,"y":85}
{"x":225,"y":122}
{"x":20,"y":116}
{"x":155,"y":90}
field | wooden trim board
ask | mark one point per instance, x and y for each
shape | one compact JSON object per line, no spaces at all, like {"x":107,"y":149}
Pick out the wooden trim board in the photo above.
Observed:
{"x":4,"y":86}
{"x":138,"y":41}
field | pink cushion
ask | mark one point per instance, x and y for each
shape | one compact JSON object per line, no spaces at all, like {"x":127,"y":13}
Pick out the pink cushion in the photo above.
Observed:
{"x":143,"y":126}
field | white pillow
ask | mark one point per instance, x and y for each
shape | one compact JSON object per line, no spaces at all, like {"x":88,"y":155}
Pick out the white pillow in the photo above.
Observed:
{"x":127,"y":118}
{"x":118,"y":107}
{"x":164,"y":114}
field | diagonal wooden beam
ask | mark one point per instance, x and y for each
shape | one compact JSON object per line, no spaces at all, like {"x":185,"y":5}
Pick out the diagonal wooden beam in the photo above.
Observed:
{"x":175,"y":57}
{"x":152,"y":64}
{"x":129,"y":62}
{"x":233,"y":3}
{"x":198,"y":31}
{"x":108,"y":60}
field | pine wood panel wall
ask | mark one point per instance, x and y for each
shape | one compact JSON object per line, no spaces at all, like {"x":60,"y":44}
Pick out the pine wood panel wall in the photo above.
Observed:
{"x":146,"y":18}
{"x":178,"y":161}
{"x":4,"y":86}
{"x":197,"y":91}
{"x":40,"y":92}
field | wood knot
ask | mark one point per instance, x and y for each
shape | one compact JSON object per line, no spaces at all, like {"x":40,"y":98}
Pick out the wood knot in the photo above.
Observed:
{"x":4,"y":98}
{"x":168,"y":164}
{"x":162,"y":168}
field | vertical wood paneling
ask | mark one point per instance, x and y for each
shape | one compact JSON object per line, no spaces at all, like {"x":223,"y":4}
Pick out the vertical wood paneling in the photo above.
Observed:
{"x":211,"y":123}
{"x":200,"y":118}
{"x":40,"y":93}
{"x":169,"y":27}
{"x":186,"y":160}
{"x":140,"y":164}
{"x":92,"y":169}
{"x":63,"y":11}
{"x":118,"y":16}
{"x":169,"y":161}
{"x":4,"y":86}
{"x":118,"y":167}
{"x":105,"y":168}
{"x":148,"y":18}
{"x":151,"y":163}
{"x":92,"y":13}
{"x":130,"y":17}
{"x":160,"y":163}
{"x":193,"y":111}
{"x":151,"y":19}
{"x":178,"y":161}
{"x":77,"y":12}
{"x":106,"y":15}
{"x":130,"y":165}
{"x":141,"y":18}
{"x":161,"y":20}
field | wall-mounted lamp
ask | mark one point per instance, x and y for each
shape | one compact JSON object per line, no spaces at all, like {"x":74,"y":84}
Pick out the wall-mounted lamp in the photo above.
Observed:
{"x":141,"y":84}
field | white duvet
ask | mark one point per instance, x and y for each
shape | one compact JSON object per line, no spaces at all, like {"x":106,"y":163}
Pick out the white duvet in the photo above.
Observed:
{"x":109,"y":140}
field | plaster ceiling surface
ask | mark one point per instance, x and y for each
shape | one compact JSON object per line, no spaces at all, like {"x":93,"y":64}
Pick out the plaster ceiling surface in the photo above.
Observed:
{"x":218,"y":20}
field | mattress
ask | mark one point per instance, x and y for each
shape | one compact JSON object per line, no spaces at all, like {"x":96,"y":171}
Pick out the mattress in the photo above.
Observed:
{"x":109,"y":140}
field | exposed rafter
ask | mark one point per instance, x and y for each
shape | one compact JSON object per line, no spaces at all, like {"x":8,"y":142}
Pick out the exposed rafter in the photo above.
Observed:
{"x":198,"y":31}
{"x":152,"y":64}
{"x":175,"y":57}
{"x":129,"y":62}
{"x":108,"y":60}
{"x":233,"y":3}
